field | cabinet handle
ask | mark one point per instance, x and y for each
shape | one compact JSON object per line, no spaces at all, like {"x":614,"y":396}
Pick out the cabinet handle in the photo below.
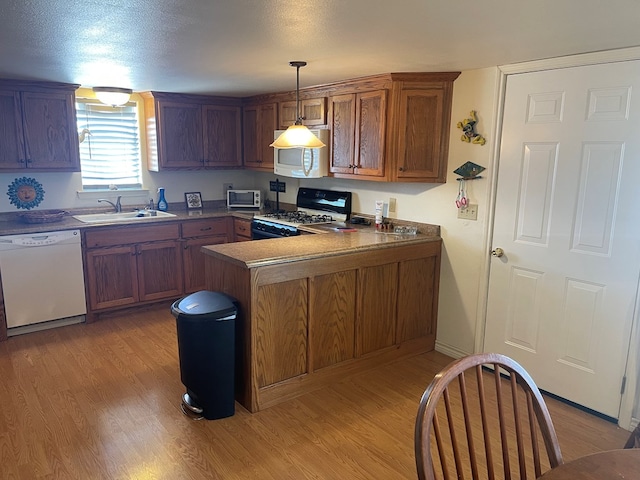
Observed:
{"x":22,"y":160}
{"x":205,"y":229}
{"x":401,"y":169}
{"x":28,"y":160}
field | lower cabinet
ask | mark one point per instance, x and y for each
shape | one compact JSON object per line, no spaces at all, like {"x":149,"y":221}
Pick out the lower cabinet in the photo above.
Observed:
{"x":308,"y":323}
{"x":195,"y":235}
{"x":129,"y":265}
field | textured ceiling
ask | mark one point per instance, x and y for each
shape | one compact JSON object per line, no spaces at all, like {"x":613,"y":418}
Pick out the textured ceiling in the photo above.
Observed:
{"x":240,"y":47}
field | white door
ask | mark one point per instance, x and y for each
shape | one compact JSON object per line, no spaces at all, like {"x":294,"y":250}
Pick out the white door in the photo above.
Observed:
{"x":561,"y":298}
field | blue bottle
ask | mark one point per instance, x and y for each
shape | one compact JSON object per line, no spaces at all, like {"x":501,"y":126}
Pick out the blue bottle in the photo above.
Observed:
{"x":162,"y":203}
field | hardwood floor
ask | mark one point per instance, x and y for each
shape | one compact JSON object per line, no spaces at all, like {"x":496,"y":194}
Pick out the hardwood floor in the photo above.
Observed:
{"x":102,"y":401}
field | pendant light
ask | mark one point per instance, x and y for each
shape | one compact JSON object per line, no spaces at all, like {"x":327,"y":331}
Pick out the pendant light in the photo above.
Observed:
{"x":297,"y":135}
{"x":112,"y":95}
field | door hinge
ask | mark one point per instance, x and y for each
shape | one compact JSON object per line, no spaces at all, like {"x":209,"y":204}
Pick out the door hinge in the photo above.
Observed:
{"x":624,"y":384}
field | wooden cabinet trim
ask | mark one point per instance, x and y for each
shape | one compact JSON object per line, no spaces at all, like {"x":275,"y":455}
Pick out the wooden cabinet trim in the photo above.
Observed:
{"x":126,"y":235}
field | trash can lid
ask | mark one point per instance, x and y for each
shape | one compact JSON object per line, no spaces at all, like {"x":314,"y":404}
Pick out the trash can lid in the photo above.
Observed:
{"x":205,"y":303}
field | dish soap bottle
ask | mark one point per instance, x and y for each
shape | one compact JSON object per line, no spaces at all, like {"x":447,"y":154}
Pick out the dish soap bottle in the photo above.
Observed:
{"x":162,"y":203}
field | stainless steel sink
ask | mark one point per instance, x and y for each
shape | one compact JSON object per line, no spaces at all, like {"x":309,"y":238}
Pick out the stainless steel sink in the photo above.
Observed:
{"x":139,"y":216}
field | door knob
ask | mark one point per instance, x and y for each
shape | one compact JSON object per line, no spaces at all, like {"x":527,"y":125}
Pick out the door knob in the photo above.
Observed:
{"x":498,"y":252}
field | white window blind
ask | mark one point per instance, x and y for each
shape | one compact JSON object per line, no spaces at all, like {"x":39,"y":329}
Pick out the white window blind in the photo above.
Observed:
{"x":110,"y":151}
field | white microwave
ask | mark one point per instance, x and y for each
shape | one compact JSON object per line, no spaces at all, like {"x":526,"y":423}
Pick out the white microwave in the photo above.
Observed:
{"x":302,"y":162}
{"x":244,"y":199}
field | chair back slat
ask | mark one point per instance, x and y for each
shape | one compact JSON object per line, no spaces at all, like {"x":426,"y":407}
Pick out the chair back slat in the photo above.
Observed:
{"x":486,"y":431}
{"x":522,"y":460}
{"x":467,"y":426}
{"x":534,"y":436}
{"x":504,"y":438}
{"x":473,"y":429}
{"x":453,"y":435}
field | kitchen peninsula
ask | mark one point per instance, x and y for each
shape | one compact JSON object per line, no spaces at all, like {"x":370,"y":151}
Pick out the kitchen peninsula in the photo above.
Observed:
{"x":317,"y":308}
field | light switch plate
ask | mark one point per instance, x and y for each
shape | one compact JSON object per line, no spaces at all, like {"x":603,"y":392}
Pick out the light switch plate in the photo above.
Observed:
{"x":469,"y":213}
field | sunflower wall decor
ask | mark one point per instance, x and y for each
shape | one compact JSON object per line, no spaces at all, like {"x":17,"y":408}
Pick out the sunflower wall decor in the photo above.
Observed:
{"x":25,"y":193}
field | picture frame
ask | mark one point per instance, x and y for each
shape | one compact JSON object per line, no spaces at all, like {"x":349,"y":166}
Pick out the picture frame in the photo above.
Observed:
{"x":193,"y":200}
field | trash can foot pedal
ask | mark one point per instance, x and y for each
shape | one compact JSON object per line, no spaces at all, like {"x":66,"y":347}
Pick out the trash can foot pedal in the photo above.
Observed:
{"x":189,"y":408}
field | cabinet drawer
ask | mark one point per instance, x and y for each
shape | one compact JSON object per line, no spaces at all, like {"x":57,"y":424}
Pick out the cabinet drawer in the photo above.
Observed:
{"x":242,"y":228}
{"x":125,"y":235}
{"x":199,"y":228}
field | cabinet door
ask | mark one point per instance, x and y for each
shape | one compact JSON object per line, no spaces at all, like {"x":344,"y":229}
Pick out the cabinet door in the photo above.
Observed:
{"x":370,"y":133}
{"x":418,"y":287}
{"x":222,"y":136}
{"x":111,"y":277}
{"x":280,"y":332}
{"x":377,"y":292}
{"x":342,"y":122}
{"x":260,"y":121}
{"x":251,"y":157}
{"x":312,"y":110}
{"x":422,"y":154}
{"x":49,"y":123}
{"x":159,"y":270}
{"x":332,"y":304}
{"x":12,"y":154}
{"x":179,"y":135}
{"x":193,"y":261}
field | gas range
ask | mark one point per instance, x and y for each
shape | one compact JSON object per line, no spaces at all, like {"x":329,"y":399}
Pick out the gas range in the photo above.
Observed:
{"x":315,"y":206}
{"x":295,"y":218}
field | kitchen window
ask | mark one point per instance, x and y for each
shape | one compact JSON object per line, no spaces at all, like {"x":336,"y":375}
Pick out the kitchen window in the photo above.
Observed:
{"x":109,"y":145}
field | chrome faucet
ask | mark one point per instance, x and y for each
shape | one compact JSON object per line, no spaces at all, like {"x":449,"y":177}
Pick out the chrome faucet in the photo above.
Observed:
{"x":117,"y":206}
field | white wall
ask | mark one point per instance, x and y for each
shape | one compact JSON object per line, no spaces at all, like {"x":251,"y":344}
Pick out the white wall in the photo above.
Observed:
{"x":463,"y":251}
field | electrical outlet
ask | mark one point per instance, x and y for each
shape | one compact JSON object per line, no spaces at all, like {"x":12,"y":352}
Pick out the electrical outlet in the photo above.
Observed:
{"x":469,"y":213}
{"x":392,"y":205}
{"x":225,"y":187}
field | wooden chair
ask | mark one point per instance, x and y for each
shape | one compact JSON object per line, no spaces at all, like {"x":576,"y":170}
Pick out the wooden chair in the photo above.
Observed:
{"x":634,"y":439}
{"x":474,"y":423}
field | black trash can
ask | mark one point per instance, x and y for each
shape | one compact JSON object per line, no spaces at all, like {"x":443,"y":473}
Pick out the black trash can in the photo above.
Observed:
{"x":206,"y":345}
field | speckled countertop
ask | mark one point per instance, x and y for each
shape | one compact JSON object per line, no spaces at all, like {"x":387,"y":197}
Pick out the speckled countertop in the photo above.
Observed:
{"x":274,"y":251}
{"x":331,"y":240}
{"x":11,"y":224}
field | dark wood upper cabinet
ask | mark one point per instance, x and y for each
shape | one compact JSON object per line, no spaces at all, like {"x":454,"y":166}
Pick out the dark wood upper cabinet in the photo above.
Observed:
{"x":38,"y":128}
{"x":259,"y":123}
{"x":192,"y":131}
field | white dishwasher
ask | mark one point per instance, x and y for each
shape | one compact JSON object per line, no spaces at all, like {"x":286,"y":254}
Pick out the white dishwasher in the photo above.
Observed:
{"x":42,"y":279}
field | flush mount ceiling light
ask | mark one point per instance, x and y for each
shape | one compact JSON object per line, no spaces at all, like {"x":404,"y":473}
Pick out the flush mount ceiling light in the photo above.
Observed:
{"x":297,"y":135}
{"x":112,"y":95}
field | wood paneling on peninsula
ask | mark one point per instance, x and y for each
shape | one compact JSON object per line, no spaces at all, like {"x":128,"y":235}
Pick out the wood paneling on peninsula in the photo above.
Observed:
{"x":316,"y":308}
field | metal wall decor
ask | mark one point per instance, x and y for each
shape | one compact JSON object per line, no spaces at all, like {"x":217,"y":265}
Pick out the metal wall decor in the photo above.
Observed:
{"x":468,"y":127}
{"x":25,"y":193}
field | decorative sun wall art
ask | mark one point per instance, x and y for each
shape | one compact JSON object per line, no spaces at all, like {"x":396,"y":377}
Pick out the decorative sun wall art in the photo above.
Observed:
{"x":25,"y":193}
